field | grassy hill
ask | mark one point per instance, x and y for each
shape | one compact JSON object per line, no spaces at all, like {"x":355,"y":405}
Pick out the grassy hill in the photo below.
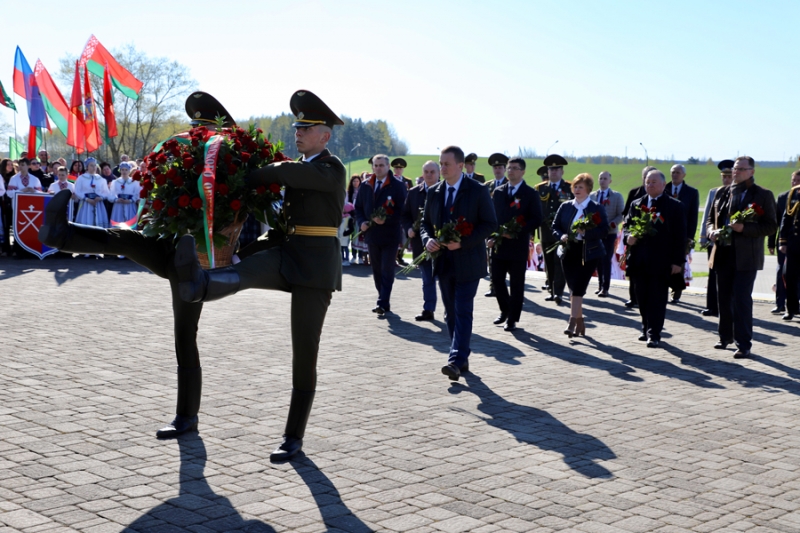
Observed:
{"x":625,"y":177}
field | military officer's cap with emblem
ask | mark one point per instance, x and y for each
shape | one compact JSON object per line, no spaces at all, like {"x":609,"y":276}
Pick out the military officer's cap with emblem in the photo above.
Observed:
{"x":555,"y":161}
{"x":471,"y":158}
{"x":498,"y":159}
{"x":726,"y":166}
{"x":203,"y":108}
{"x":369,"y":161}
{"x":399,"y":162}
{"x":542,"y":171}
{"x":310,"y":110}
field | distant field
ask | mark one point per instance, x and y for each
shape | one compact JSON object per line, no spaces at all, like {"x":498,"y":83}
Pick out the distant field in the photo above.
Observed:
{"x":625,"y":177}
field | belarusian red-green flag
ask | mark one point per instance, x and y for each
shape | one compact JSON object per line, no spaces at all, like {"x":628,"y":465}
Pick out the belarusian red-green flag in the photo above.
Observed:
{"x":15,"y":148}
{"x":108,"y":106}
{"x":95,"y":56}
{"x":53,"y":101}
{"x":5,"y":99}
{"x":76,"y":136}
{"x":90,"y":122}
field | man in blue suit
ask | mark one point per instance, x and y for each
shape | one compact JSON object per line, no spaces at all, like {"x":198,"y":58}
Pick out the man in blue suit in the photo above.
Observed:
{"x":383,"y":236}
{"x":461,"y":265}
{"x":415,"y":203}
{"x":513,"y":199}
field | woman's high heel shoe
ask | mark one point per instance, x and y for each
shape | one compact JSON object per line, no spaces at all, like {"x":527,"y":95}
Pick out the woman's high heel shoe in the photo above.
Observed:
{"x":573,"y":323}
{"x":580,"y":328}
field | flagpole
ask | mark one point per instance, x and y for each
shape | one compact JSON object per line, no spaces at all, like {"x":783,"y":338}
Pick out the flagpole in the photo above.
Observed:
{"x":15,"y":124}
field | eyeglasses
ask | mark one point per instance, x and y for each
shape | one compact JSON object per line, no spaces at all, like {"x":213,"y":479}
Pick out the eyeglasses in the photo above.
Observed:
{"x":742,"y":168}
{"x":514,"y":168}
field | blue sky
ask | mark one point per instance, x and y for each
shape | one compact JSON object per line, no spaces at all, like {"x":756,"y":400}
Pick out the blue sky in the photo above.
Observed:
{"x":685,"y":78}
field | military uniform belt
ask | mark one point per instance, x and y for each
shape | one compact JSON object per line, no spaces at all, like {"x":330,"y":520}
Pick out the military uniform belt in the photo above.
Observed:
{"x":313,"y":231}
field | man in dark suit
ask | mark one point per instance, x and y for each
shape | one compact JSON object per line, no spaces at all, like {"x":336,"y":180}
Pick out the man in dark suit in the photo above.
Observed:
{"x":469,"y":168}
{"x":498,"y":163}
{"x":726,"y":175}
{"x":790,"y":247}
{"x":552,"y":193}
{"x":780,"y":284}
{"x":653,"y":258}
{"x":305,"y":262}
{"x":737,"y":262}
{"x":383,"y":236}
{"x":511,"y":200}
{"x":412,"y":210}
{"x":461,"y":265}
{"x":690,"y":198}
{"x":633,"y":194}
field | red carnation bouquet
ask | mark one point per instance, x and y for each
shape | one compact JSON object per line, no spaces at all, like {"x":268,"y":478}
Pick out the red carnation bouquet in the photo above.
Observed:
{"x":510,"y":228}
{"x":177,"y":174}
{"x":449,"y":233}
{"x":750,"y":214}
{"x":380,"y":213}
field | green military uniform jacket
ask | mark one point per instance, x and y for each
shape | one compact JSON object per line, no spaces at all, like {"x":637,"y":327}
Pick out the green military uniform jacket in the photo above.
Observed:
{"x":314,"y":196}
{"x":550,"y":203}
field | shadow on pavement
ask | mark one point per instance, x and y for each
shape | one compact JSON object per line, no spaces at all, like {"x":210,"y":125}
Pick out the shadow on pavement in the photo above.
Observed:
{"x":66,"y":269}
{"x":196,"y":503}
{"x":539,"y":428}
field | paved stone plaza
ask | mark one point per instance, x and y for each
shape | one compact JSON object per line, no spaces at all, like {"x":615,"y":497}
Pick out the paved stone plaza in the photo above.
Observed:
{"x":596,"y":435}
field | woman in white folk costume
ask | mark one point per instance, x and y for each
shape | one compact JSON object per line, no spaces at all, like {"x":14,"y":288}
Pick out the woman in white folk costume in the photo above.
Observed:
{"x":91,"y":189}
{"x":124,"y":195}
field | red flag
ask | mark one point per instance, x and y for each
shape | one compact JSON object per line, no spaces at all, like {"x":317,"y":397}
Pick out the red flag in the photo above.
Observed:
{"x":90,"y":124}
{"x":32,"y":148}
{"x":76,"y":136}
{"x":108,"y":106}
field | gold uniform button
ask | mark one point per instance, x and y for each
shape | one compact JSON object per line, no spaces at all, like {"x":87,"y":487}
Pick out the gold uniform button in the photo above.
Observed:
{"x":288,"y":204}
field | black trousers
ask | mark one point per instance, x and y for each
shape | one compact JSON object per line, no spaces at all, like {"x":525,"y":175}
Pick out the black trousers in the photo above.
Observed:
{"x":735,"y":298}
{"x":604,"y":266}
{"x":510,"y":303}
{"x":157,"y":256}
{"x":382,"y":259}
{"x":555,"y":274}
{"x":711,"y":291}
{"x":780,"y":282}
{"x":308,"y":309}
{"x":791,"y":275}
{"x":652,"y":288}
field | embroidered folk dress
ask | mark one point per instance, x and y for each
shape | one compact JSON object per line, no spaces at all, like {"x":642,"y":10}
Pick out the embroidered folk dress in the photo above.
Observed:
{"x":92,"y":186}
{"x":124,"y":189}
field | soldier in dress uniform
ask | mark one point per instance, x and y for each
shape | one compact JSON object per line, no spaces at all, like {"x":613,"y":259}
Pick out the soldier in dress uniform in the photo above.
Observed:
{"x":789,"y":245}
{"x":552,"y":194}
{"x":306,"y":261}
{"x":469,"y":168}
{"x":156,"y":255}
{"x":514,"y":199}
{"x":780,"y":282}
{"x":542,"y":173}
{"x":498,"y":163}
{"x":399,"y":165}
{"x":726,"y":175}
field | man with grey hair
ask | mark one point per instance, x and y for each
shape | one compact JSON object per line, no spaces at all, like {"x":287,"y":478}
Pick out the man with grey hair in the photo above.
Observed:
{"x":613,"y":204}
{"x":690,"y":198}
{"x":411,"y":220}
{"x":633,"y":194}
{"x":653,"y":258}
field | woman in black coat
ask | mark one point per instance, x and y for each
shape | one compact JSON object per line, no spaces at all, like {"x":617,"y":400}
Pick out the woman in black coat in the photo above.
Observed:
{"x":582,"y":248}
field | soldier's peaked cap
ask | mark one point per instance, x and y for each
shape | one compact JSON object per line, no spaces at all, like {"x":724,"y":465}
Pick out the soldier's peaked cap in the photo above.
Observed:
{"x":310,"y":110}
{"x":471,"y":158}
{"x":398,"y":162}
{"x":726,"y":166}
{"x":203,"y":108}
{"x":555,"y":160}
{"x":498,"y":159}
{"x":542,"y":171}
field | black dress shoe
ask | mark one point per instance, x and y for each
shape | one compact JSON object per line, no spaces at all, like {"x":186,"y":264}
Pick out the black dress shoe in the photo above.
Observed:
{"x":452,"y":372}
{"x":510,"y":326}
{"x":179,"y":426}
{"x":490,"y":294}
{"x":499,"y":320}
{"x":708,"y":312}
{"x":721,"y":345}
{"x":288,"y":449}
{"x":378,"y":309}
{"x":598,"y":291}
{"x":741,"y":354}
{"x":629,"y":304}
{"x":642,"y":337}
{"x":788,"y":316}
{"x":464,"y":369}
{"x":675,"y":300}
{"x":424,"y":315}
{"x":550,"y":298}
{"x":652,"y":343}
{"x":775,"y":310}
{"x":557,"y":300}
{"x":603,"y":294}
{"x":545,"y":288}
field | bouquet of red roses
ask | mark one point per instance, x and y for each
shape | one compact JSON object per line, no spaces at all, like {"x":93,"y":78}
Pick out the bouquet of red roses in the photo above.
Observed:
{"x":449,"y":233}
{"x":750,"y":214}
{"x":176,"y":183}
{"x":510,"y":228}
{"x":584,"y":223}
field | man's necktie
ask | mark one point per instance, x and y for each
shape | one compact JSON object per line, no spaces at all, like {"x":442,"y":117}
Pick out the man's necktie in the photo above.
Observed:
{"x":448,"y":204}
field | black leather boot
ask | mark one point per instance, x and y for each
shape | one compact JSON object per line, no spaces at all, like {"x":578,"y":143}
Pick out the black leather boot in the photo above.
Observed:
{"x":59,"y":233}
{"x":299,"y":410}
{"x":190,"y":386}
{"x":196,"y":284}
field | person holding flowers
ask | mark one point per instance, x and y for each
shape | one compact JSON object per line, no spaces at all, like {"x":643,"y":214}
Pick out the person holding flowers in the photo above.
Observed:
{"x":378,"y":208}
{"x":655,"y":232}
{"x":519,"y":212}
{"x":580,"y":226}
{"x":464,"y":207}
{"x":743,"y":215}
